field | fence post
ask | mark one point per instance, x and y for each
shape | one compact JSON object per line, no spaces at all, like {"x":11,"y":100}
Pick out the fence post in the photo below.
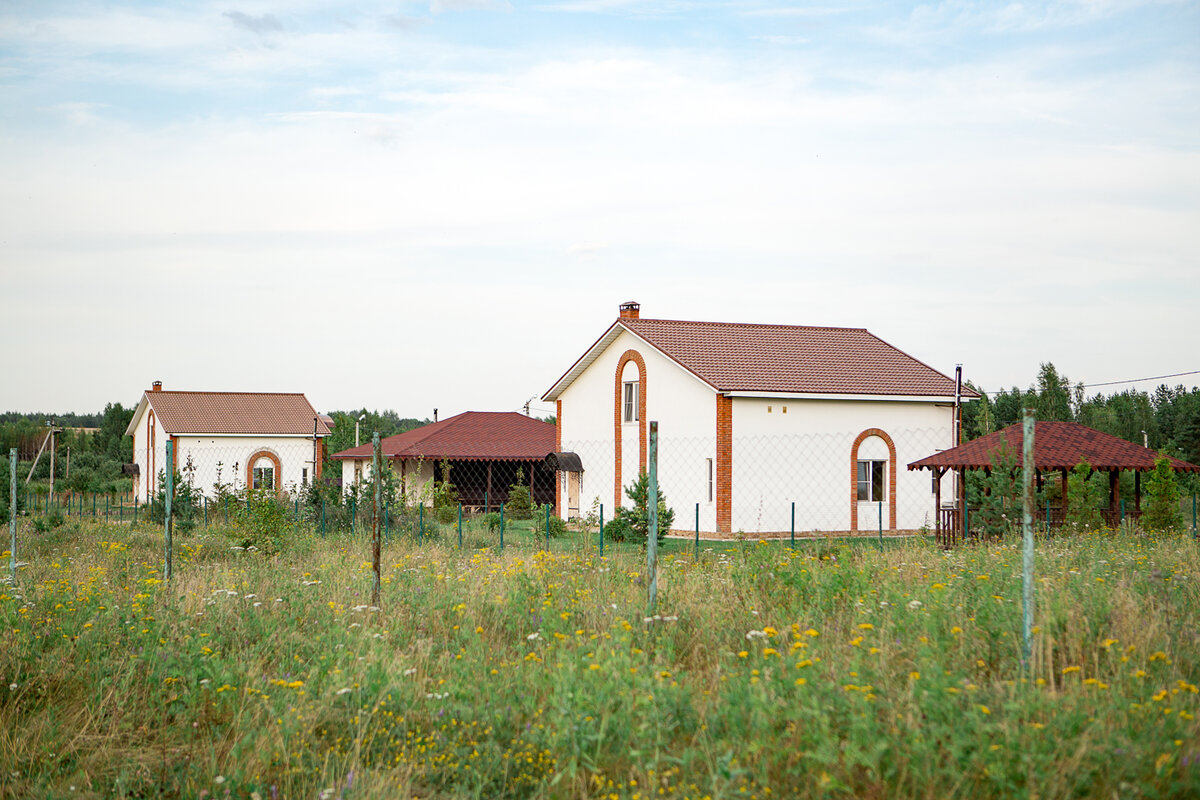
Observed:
{"x":135,"y":510}
{"x":652,"y":533}
{"x":168,"y":495}
{"x":105,"y":509}
{"x":421,"y":523}
{"x":12,"y":513}
{"x":602,"y":530}
{"x":1194,"y":534}
{"x":696,"y":554}
{"x":793,"y":524}
{"x":378,"y":476}
{"x":93,"y":505}
{"x":547,"y":527}
{"x":501,"y":527}
{"x":460,"y":525}
{"x":1028,"y":468}
{"x":880,"y":526}
{"x":206,"y":511}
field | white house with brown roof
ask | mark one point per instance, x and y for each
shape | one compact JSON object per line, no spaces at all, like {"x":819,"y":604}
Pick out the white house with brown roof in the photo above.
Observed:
{"x":763,"y":428}
{"x":240,"y":439}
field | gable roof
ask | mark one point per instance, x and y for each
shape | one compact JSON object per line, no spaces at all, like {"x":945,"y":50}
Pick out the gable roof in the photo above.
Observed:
{"x":248,"y":413}
{"x":793,"y":359}
{"x":1056,"y":445}
{"x":470,"y":436}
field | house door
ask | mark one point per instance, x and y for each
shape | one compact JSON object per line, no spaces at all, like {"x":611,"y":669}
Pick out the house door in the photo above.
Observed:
{"x":573,"y":481}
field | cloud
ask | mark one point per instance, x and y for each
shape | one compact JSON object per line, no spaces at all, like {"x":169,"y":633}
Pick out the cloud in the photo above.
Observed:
{"x":438,"y":6}
{"x":261,"y":26}
{"x":403,"y":22}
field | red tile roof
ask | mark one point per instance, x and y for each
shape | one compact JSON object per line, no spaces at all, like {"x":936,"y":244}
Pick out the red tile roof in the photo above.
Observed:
{"x":470,"y":436}
{"x":748,"y":357}
{"x":1056,"y":445}
{"x":251,"y":413}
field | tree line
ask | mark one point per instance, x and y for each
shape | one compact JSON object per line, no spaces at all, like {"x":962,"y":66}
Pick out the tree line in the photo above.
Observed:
{"x":1166,"y":420}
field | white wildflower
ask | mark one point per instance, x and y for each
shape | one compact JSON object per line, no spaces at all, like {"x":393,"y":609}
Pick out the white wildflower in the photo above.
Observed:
{"x":915,"y":604}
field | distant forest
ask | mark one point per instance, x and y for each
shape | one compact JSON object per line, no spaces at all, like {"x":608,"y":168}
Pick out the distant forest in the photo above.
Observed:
{"x":1168,"y":419}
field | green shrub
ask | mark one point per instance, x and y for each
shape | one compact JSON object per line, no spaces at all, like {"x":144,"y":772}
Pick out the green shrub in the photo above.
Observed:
{"x":558,"y":527}
{"x":638,"y":516}
{"x":618,"y":530}
{"x":492,"y":520}
{"x":264,"y":523}
{"x":1083,"y":498}
{"x":445,"y":498}
{"x":1162,"y":498}
{"x":520,"y":504}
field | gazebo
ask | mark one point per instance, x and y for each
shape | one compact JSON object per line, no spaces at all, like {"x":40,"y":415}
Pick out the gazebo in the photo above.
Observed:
{"x":1057,"y":448}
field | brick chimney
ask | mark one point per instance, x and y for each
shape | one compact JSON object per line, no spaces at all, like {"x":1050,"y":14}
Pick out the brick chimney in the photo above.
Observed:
{"x":630,"y":309}
{"x":156,"y":386}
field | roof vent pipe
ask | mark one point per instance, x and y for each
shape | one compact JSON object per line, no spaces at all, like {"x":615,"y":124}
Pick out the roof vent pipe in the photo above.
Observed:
{"x":435,"y":415}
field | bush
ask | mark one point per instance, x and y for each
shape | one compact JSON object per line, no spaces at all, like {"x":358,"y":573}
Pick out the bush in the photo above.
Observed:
{"x":1083,"y":498}
{"x":520,"y":504}
{"x":265,"y":525}
{"x":185,"y":504}
{"x":1162,"y":498}
{"x":492,"y":520}
{"x":618,"y":530}
{"x":445,"y":498}
{"x":558,"y":527}
{"x":638,"y":516}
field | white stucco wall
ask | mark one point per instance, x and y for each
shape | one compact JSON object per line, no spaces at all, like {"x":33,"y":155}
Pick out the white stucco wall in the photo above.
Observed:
{"x":417,"y":476}
{"x":804,"y":455}
{"x":684,"y":406}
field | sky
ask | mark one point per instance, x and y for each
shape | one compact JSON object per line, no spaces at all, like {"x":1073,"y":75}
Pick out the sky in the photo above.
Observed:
{"x":441,"y":204}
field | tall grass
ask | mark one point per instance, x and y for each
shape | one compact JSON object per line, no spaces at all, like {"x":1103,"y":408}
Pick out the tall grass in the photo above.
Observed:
{"x":833,"y":670}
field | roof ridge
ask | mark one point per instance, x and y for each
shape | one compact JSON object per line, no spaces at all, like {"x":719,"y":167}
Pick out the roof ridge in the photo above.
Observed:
{"x":199,"y":391}
{"x":716,"y":323}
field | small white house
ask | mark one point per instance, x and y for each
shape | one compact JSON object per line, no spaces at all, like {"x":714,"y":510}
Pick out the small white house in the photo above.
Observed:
{"x":763,"y":429}
{"x":237,"y":439}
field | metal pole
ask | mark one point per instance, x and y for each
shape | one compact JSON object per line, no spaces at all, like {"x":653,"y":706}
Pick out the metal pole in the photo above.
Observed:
{"x":602,"y":528}
{"x":502,"y":527}
{"x":420,"y":523}
{"x":206,"y":511}
{"x":168,"y":495}
{"x":793,"y":524}
{"x":1028,"y":468}
{"x":696,"y":555}
{"x":460,"y":525}
{"x":652,"y":512}
{"x":12,"y":513}
{"x":375,"y":523}
{"x":880,"y":525}
{"x":547,"y":527}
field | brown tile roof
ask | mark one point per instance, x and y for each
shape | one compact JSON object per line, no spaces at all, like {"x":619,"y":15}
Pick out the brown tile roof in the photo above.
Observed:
{"x":251,"y":413}
{"x":748,"y":357}
{"x":470,"y":436}
{"x":1056,"y":445}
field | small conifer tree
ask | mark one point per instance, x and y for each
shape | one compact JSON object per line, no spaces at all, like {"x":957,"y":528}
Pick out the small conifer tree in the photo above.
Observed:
{"x":1083,"y":498}
{"x":1162,"y":498}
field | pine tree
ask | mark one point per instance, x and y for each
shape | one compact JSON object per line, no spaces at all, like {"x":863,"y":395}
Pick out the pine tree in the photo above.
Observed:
{"x":1162,"y":498}
{"x":638,"y":516}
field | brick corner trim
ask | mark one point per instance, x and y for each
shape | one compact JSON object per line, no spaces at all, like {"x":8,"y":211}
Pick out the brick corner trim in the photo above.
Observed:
{"x":626,"y":357}
{"x":891,"y":446}
{"x":724,"y":466}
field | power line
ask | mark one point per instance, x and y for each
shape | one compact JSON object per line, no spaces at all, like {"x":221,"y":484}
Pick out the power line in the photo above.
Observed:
{"x":1139,"y":380}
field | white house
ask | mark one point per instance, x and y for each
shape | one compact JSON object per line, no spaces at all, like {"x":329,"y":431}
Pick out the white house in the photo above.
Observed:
{"x":239,"y":439}
{"x":762,"y":428}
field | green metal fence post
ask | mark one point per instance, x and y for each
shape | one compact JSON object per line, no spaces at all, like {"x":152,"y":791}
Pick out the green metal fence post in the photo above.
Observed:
{"x":460,"y":526}
{"x":1122,"y":509}
{"x":12,"y":514}
{"x":168,"y":495}
{"x":880,"y":525}
{"x":1047,"y":516}
{"x":93,"y":504}
{"x":206,"y":511}
{"x":1028,"y":469}
{"x":602,"y":530}
{"x":652,"y":533}
{"x":696,"y":548}
{"x":421,"y":523}
{"x":793,"y":524}
{"x":106,"y":509}
{"x":387,"y":521}
{"x":502,"y":527}
{"x":135,"y":509}
{"x":547,"y":527}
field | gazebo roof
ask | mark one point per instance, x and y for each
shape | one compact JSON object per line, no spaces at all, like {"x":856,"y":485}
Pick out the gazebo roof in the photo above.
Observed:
{"x":470,"y":436}
{"x":1056,"y":446}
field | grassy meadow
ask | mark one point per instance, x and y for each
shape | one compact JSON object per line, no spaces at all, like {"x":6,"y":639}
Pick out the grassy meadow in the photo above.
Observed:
{"x":830,"y":670}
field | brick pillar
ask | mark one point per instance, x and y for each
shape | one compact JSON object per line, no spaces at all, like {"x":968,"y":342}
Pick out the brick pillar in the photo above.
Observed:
{"x":724,"y":466}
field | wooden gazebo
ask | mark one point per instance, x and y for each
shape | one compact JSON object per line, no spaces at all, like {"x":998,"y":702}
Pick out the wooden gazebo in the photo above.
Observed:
{"x":1057,"y":448}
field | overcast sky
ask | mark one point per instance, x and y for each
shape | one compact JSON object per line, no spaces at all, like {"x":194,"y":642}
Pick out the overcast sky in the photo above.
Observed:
{"x":418,"y":205}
